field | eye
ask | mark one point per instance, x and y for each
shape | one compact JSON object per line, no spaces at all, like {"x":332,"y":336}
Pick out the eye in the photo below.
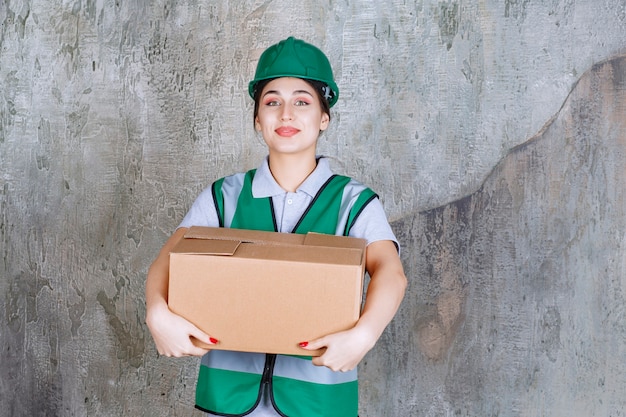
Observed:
{"x":301,"y":102}
{"x":272,"y":102}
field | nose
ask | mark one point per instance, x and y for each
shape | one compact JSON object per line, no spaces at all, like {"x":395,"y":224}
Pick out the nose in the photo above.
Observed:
{"x":287,"y":113}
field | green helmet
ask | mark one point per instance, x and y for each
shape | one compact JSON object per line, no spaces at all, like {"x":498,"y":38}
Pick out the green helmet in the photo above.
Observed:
{"x":295,"y":58}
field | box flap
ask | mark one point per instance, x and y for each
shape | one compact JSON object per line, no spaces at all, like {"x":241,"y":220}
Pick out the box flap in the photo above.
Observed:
{"x":272,"y":245}
{"x":300,"y":253}
{"x":207,"y":247}
{"x":259,"y":236}
{"x":332,"y":241}
{"x":250,"y":236}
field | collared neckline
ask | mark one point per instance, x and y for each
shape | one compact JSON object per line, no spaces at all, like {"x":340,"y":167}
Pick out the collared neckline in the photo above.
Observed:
{"x":264,"y":184}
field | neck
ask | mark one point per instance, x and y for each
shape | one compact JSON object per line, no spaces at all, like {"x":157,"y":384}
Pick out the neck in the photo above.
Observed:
{"x":290,"y":171}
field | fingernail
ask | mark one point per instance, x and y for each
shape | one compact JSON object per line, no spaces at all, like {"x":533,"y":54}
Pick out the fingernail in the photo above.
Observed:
{"x":213,"y":340}
{"x":304,"y":344}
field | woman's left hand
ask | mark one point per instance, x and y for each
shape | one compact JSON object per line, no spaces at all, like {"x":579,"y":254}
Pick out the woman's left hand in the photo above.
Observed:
{"x":344,"y":350}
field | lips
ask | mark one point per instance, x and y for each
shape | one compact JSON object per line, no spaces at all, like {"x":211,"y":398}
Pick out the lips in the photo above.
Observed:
{"x":287,"y":131}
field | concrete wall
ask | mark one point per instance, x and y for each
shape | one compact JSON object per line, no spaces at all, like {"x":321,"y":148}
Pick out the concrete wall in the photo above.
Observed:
{"x":493,"y":130}
{"x":517,"y":302}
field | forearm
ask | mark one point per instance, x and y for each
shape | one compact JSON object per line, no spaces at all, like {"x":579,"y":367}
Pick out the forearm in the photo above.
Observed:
{"x":157,"y":281}
{"x":384,"y":295}
{"x":156,"y":292}
{"x":344,"y":350}
{"x":172,"y":334}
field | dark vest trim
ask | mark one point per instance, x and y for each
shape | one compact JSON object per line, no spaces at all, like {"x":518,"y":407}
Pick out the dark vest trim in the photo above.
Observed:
{"x":319,"y":192}
{"x":358,"y":213}
{"x":273,"y":214}
{"x":216,"y":202}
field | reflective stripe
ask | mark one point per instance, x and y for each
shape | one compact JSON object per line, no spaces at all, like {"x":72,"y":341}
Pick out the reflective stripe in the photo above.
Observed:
{"x":286,"y":366}
{"x":235,"y":361}
{"x":293,"y":368}
{"x":350,"y":195}
{"x":231,"y":189}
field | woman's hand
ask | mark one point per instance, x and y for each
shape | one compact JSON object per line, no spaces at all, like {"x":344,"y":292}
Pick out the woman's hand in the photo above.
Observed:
{"x":344,"y":350}
{"x":174,"y":335}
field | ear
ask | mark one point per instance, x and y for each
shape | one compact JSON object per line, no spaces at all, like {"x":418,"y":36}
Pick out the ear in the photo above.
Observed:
{"x":257,"y":125}
{"x":324,"y":121}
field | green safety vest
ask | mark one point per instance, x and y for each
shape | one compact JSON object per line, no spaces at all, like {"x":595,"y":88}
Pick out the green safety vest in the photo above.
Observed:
{"x":231,"y":383}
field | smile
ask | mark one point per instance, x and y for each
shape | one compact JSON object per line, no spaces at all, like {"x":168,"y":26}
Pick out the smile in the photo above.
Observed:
{"x":287,"y":131}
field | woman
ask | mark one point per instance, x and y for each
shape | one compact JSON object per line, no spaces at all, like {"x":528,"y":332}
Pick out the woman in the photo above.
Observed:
{"x":293,"y":90}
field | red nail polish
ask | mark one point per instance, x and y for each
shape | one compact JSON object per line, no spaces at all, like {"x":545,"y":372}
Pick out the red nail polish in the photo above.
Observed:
{"x":213,"y":340}
{"x":304,"y":344}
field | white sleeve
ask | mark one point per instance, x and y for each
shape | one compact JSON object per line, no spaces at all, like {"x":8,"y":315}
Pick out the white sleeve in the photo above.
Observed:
{"x":202,"y":211}
{"x":372,"y":224}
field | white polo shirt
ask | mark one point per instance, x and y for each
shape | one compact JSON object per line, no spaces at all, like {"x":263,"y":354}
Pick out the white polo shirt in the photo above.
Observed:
{"x":371,"y":224}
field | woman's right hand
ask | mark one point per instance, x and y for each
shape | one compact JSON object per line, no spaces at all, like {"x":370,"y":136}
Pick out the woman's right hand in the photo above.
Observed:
{"x":174,"y":335}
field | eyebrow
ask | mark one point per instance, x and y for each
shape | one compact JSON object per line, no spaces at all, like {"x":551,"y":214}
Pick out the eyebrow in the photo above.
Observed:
{"x":294,"y":93}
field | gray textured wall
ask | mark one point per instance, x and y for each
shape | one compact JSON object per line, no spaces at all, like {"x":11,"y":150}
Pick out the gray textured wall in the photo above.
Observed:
{"x":493,"y":130}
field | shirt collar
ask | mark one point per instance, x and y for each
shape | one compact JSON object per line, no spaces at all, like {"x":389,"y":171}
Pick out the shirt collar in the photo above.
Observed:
{"x":264,"y":184}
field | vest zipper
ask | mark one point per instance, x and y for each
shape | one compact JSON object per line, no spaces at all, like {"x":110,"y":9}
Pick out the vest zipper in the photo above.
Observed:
{"x":268,"y":370}
{"x":266,"y":379}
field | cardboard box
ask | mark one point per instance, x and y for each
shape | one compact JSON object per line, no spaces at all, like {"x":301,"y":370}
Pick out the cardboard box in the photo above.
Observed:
{"x":260,"y":291}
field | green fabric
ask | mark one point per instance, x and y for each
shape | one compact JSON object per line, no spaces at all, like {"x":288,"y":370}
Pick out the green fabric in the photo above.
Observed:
{"x":225,"y":391}
{"x":323,"y":214}
{"x":305,"y":399}
{"x":321,"y":217}
{"x":253,"y":213}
